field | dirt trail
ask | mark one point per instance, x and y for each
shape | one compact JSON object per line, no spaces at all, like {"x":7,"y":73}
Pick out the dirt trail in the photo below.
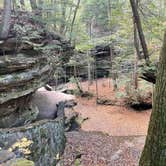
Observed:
{"x":112,"y":135}
{"x":113,"y":120}
{"x":116,"y":121}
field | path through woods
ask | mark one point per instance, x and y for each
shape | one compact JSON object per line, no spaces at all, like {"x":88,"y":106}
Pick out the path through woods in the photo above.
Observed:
{"x":112,"y":135}
{"x":113,"y":120}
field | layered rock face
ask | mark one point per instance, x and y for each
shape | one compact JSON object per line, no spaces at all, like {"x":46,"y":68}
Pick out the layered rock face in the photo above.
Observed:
{"x":103,"y":57}
{"x":20,"y":76}
{"x":27,"y":62}
{"x":102,"y":61}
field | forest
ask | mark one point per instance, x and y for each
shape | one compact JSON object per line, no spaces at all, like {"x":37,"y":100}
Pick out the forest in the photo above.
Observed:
{"x":82,"y":82}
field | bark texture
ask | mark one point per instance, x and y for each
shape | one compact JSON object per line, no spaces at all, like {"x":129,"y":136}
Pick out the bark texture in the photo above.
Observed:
{"x":140,"y":30}
{"x":154,"y":153}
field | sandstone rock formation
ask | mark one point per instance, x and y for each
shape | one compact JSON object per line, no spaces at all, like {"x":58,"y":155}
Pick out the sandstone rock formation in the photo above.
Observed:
{"x":27,"y":62}
{"x":28,"y":59}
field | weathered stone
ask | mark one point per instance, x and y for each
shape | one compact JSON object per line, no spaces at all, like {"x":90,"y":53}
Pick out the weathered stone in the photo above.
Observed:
{"x":19,"y":84}
{"x":20,"y":117}
{"x":48,"y":103}
{"x":47,"y":141}
{"x":26,"y":64}
{"x":10,"y":63}
{"x":5,"y":156}
{"x":19,"y":162}
{"x":70,"y":118}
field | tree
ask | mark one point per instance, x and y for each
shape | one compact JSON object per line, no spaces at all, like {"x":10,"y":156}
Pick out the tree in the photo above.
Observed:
{"x":140,"y":30}
{"x":74,"y":17}
{"x":6,"y":19}
{"x":154,"y":153}
{"x":63,"y":19}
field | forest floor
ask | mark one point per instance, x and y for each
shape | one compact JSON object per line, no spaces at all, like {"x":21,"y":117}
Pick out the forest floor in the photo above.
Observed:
{"x":98,"y":149}
{"x":111,"y":135}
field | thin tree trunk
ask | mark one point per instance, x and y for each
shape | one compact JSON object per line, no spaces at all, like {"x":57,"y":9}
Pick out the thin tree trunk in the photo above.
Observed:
{"x":96,"y":81}
{"x":136,"y":42}
{"x":6,"y":19}
{"x":135,"y":73}
{"x":114,"y":79}
{"x":154,"y":153}
{"x":74,"y":17}
{"x":33,"y":5}
{"x":77,"y":81}
{"x":109,"y":12}
{"x":22,"y":3}
{"x":111,"y":57}
{"x":136,"y":39}
{"x":13,"y":5}
{"x":68,"y":19}
{"x":89,"y":72}
{"x":140,"y":30}
{"x":137,"y":55}
{"x":63,"y":18}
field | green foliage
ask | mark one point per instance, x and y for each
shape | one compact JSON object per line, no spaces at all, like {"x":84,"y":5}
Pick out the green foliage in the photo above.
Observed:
{"x":96,"y":11}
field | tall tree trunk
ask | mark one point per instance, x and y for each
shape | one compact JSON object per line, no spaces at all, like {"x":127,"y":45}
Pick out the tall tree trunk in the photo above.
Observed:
{"x":111,"y":58}
{"x":135,"y":73}
{"x":6,"y":19}
{"x":109,"y":12}
{"x":154,"y":153}
{"x":13,"y":5}
{"x":67,"y":20}
{"x":137,"y":55}
{"x":140,"y":30}
{"x":96,"y":79}
{"x":89,"y":71}
{"x":136,"y":42}
{"x":74,"y":17}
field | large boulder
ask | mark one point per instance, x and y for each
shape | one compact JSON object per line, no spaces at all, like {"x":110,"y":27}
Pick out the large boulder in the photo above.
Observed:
{"x":51,"y":103}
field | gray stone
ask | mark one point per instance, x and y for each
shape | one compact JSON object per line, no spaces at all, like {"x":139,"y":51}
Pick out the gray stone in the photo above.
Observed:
{"x":20,"y":117}
{"x":47,"y":141}
{"x":5,"y":156}
{"x":48,"y":101}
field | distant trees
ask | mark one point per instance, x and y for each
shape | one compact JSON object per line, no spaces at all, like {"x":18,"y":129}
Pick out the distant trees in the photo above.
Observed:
{"x":96,"y":14}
